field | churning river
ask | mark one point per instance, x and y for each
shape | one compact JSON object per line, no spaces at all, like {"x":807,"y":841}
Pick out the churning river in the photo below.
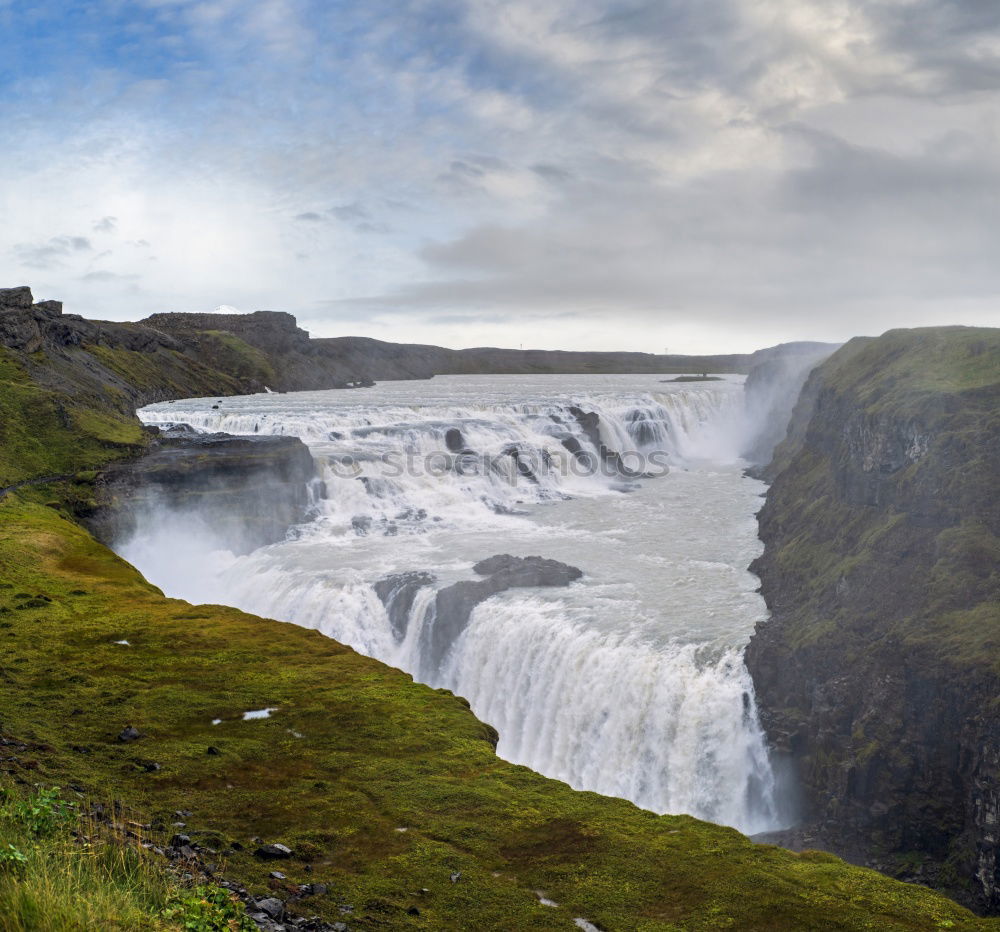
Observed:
{"x":630,"y":681}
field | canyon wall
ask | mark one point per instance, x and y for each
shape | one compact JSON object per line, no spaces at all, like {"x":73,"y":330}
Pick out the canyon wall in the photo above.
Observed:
{"x":878,"y":673}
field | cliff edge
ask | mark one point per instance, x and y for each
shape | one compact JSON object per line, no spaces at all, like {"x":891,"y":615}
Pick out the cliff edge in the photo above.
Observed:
{"x":878,"y":673}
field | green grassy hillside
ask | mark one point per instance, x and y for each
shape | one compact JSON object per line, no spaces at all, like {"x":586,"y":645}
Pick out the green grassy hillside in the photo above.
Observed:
{"x":355,"y":753}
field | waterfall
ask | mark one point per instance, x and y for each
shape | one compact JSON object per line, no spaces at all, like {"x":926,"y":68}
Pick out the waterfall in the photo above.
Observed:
{"x":387,"y":466}
{"x":605,"y":685}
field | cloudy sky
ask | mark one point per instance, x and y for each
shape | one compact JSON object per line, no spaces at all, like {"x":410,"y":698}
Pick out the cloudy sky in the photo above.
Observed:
{"x":588,"y":174}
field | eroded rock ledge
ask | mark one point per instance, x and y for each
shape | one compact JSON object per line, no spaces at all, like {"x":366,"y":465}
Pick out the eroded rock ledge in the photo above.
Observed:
{"x":249,"y":490}
{"x":454,"y":604}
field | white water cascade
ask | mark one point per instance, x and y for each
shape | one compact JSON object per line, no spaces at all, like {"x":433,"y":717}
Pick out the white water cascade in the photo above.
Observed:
{"x":630,"y":681}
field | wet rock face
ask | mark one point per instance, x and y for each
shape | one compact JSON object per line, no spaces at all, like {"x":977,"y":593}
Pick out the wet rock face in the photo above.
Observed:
{"x":248,"y":490}
{"x":514,"y":572}
{"x":454,"y":604}
{"x":454,"y":441}
{"x":872,"y":675}
{"x":590,"y":423}
{"x":397,"y":593}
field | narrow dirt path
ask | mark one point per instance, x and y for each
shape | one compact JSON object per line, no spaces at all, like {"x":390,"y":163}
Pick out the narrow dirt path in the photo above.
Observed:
{"x":40,"y":481}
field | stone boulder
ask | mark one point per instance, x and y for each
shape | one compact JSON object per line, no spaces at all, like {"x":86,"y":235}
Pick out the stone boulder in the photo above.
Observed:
{"x":453,"y":605}
{"x":15,"y":298}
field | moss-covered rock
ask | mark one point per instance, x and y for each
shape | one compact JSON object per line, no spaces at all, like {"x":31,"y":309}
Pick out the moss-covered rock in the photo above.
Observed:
{"x":879,"y":670}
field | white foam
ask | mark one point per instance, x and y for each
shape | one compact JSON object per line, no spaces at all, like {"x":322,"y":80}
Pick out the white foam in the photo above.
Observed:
{"x":630,"y":684}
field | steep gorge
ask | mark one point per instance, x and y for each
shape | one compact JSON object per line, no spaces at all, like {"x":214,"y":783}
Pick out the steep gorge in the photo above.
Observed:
{"x":878,"y":673}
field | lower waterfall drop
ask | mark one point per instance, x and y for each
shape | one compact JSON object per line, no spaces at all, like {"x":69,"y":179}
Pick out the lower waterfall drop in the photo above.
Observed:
{"x":629,"y":681}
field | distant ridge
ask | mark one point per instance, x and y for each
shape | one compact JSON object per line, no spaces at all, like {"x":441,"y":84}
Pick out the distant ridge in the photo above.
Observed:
{"x":306,"y":362}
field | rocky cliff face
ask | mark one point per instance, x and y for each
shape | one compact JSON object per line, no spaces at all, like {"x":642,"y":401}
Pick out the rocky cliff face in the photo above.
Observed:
{"x":878,"y":673}
{"x":27,"y":326}
{"x":63,"y":377}
{"x":249,"y":490}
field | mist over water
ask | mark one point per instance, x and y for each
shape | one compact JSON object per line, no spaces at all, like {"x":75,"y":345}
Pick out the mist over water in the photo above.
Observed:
{"x":630,"y":681}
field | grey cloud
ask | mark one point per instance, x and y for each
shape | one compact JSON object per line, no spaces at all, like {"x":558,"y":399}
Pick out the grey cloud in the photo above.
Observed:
{"x":729,"y":162}
{"x":102,"y":275}
{"x":852,"y":229}
{"x":947,"y":42}
{"x":106,"y":225}
{"x":50,"y":253}
{"x":468,"y":172}
{"x":350,"y":212}
{"x":552,"y":173}
{"x":358,"y":217}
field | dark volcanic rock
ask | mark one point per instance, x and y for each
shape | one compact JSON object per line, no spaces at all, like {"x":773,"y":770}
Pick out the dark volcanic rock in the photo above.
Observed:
{"x":274,"y":852}
{"x":248,"y":490}
{"x":611,"y":460}
{"x":454,"y":440}
{"x":875,"y":675}
{"x":514,"y":572}
{"x":28,"y":327}
{"x":129,"y":733}
{"x":527,"y":460}
{"x":361,"y":524}
{"x":272,"y":906}
{"x":15,"y":298}
{"x":454,"y":604}
{"x":590,"y":424}
{"x":397,"y":593}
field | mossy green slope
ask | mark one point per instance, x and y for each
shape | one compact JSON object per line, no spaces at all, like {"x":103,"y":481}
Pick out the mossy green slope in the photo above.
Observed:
{"x":70,"y":410}
{"x":377,"y":753}
{"x":885,"y":516}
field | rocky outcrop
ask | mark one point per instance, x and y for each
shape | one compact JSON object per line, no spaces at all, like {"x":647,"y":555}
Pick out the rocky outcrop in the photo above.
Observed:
{"x":273,"y":331}
{"x":298,"y":362}
{"x":248,"y":490}
{"x":877,"y":673}
{"x":30,"y":327}
{"x":397,"y":593}
{"x":453,"y":605}
{"x":241,"y":353}
{"x":277,"y":353}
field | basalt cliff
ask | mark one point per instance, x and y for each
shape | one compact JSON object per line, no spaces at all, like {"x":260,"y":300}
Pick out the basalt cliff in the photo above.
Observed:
{"x":878,"y":673}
